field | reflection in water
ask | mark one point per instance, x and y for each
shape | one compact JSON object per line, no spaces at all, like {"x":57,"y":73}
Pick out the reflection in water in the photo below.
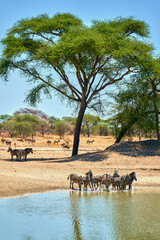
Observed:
{"x":91,"y":215}
{"x":115,"y":215}
{"x":75,"y":214}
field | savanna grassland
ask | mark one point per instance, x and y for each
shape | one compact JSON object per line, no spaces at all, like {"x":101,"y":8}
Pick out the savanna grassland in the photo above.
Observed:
{"x":48,"y":167}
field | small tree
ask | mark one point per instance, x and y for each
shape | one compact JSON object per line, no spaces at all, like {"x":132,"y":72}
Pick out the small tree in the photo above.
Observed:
{"x":89,"y":121}
{"x":150,"y":74}
{"x":61,"y":127}
{"x":4,"y":118}
{"x":33,"y":112}
{"x":102,"y":129}
{"x":43,"y":119}
{"x":22,"y":125}
{"x":52,"y":120}
{"x":134,"y":109}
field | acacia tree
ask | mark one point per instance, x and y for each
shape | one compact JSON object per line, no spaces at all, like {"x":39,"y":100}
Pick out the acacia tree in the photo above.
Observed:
{"x":89,"y":121}
{"x":135,"y":107}
{"x":37,"y":113}
{"x":4,"y":117}
{"x":78,"y":62}
{"x":22,"y":125}
{"x":61,"y":127}
{"x":150,"y":74}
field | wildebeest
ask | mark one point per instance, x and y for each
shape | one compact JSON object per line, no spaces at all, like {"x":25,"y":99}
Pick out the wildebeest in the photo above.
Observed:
{"x":56,"y":141}
{"x":3,"y":140}
{"x":30,"y":140}
{"x":65,"y":146}
{"x":8,"y":142}
{"x":48,"y":142}
{"x":74,"y":178}
{"x":20,"y":139}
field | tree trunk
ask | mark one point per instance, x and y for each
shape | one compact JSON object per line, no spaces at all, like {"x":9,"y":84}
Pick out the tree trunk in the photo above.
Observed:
{"x":88,"y":131}
{"x":124,"y":129}
{"x":78,"y":127}
{"x":155,"y":109}
{"x":83,"y":131}
{"x":42,"y":132}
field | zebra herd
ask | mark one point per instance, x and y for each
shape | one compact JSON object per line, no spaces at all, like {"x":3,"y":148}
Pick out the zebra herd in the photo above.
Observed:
{"x":19,"y":153}
{"x":105,"y":180}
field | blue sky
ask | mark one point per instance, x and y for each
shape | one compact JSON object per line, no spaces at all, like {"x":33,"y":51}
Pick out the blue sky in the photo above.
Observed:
{"x":12,"y":94}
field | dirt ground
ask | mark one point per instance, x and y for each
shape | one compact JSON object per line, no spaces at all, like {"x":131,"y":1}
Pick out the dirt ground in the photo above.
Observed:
{"x":48,"y":167}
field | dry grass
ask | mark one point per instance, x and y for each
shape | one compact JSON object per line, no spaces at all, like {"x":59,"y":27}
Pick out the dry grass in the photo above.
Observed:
{"x":48,"y":167}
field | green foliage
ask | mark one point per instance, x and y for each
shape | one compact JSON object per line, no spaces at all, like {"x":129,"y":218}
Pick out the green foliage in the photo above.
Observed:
{"x":43,"y":48}
{"x":90,"y":119}
{"x":5,"y":117}
{"x":71,"y":120}
{"x":22,"y":125}
{"x":102,"y":129}
{"x":135,"y":107}
{"x":61,"y":55}
{"x":61,"y":127}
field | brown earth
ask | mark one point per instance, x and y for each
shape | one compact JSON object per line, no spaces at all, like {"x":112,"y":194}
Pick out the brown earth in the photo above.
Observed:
{"x":48,"y":167}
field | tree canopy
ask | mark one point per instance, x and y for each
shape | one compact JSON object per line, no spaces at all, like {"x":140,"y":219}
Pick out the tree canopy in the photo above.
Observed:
{"x":22,"y":125}
{"x":60,"y":53}
{"x":138,"y":102}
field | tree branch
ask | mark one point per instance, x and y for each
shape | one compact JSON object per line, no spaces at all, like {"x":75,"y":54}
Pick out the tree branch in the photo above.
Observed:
{"x":36,"y":76}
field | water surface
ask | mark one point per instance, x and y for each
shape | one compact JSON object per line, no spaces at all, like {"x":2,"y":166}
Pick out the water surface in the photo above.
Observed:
{"x":67,"y":215}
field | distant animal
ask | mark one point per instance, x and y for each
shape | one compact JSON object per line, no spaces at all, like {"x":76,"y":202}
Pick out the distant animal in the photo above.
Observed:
{"x":13,"y":152}
{"x":90,"y":141}
{"x":3,"y":140}
{"x":8,"y":142}
{"x":74,"y":178}
{"x":65,"y":146}
{"x":20,"y":139}
{"x":30,"y":140}
{"x":49,"y":142}
{"x":56,"y":141}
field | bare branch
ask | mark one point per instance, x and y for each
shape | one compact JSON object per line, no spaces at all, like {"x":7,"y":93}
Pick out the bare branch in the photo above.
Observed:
{"x":36,"y":76}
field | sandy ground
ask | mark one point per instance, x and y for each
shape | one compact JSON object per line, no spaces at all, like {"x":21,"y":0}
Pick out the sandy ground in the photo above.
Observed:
{"x":48,"y":167}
